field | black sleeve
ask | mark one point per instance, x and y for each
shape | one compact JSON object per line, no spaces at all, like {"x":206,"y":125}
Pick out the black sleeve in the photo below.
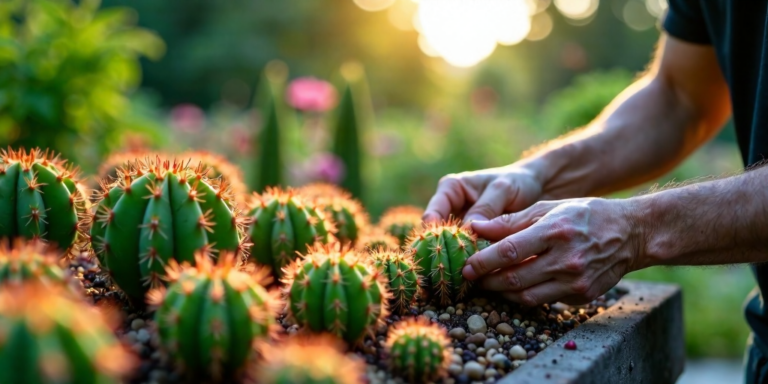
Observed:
{"x":685,"y":20}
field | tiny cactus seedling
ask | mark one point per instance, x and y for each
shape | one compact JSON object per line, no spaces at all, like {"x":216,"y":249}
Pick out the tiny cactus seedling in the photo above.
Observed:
{"x":211,"y":315}
{"x":401,"y":221}
{"x":48,"y":337}
{"x":441,"y":250}
{"x":282,"y":225}
{"x":32,"y":261}
{"x":374,"y":238}
{"x":156,"y":211}
{"x":40,"y":198}
{"x":402,"y":277}
{"x":344,"y":211}
{"x":338,"y":291}
{"x":419,"y":352}
{"x":306,"y":360}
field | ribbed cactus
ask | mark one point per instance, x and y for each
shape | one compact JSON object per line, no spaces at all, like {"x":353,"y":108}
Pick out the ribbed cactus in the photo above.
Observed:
{"x":121,"y":160}
{"x":441,"y":250}
{"x":401,"y":221}
{"x":401,"y":274}
{"x":307,"y":360}
{"x":374,"y":238}
{"x":419,"y":352}
{"x":23,"y":261}
{"x":157,"y":211}
{"x":283,"y":224}
{"x":211,"y":314}
{"x":48,"y":337}
{"x":346,"y":213}
{"x":336,"y":291}
{"x":218,"y":167}
{"x":39,"y":198}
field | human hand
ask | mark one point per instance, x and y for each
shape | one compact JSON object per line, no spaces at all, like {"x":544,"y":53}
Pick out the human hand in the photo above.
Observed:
{"x":570,"y":250}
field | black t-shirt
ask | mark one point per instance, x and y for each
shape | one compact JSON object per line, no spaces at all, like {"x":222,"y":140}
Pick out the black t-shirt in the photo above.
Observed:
{"x":737,"y":30}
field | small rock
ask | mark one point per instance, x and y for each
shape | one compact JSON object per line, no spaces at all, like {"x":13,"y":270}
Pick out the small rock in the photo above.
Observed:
{"x":518,"y":353}
{"x":499,"y":360}
{"x":529,"y":334}
{"x":491,"y":343}
{"x":137,"y":324}
{"x":458,"y":334}
{"x":476,"y":324}
{"x":457,"y":359}
{"x":480,"y":351}
{"x":493,"y":319}
{"x":482,"y":361}
{"x":490,"y":373}
{"x":455,"y":369}
{"x":474,"y":370}
{"x":516,"y":322}
{"x":484,"y":315}
{"x":430,"y":314}
{"x":559,"y":307}
{"x":459,"y":312}
{"x":505,"y":329}
{"x":450,"y":310}
{"x":570,"y":345}
{"x":472,"y":347}
{"x":131,"y":337}
{"x":143,"y":335}
{"x":567,"y":315}
{"x":476,"y":339}
{"x":444,"y":317}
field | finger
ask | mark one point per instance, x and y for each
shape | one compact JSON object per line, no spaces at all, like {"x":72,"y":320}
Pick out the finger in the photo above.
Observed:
{"x":449,"y":198}
{"x":530,"y":272}
{"x":492,"y":201}
{"x":546,"y":292}
{"x":505,"y":253}
{"x":510,"y":223}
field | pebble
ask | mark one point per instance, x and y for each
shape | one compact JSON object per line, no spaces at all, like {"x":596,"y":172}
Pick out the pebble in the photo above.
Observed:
{"x":143,"y":335}
{"x":474,"y":370}
{"x":476,"y":339}
{"x":131,"y":337}
{"x":459,"y":312}
{"x":430,"y":314}
{"x":137,"y":324}
{"x":530,"y":329}
{"x":482,"y":361}
{"x":491,"y":343}
{"x":505,"y":329}
{"x":458,"y":333}
{"x":456,"y":359}
{"x":476,"y":324}
{"x":450,"y":310}
{"x":567,"y":315}
{"x":455,"y":369}
{"x":518,"y":353}
{"x":490,"y":373}
{"x":499,"y":360}
{"x":480,"y":351}
{"x":493,"y":319}
{"x":529,"y":334}
{"x":559,"y":307}
{"x":444,"y":317}
{"x":516,"y":322}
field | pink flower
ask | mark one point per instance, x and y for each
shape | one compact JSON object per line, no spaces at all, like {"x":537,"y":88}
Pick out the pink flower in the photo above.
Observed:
{"x":311,"y":94}
{"x":187,"y":118}
{"x":326,"y":167}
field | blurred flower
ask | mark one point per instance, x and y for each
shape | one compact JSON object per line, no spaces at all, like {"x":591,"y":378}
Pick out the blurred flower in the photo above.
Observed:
{"x":187,"y":118}
{"x":241,"y":139}
{"x":311,"y":94}
{"x":325,"y":167}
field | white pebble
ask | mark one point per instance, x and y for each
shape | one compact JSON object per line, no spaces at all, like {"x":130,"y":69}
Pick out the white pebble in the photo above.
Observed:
{"x":444,"y":317}
{"x":476,"y":324}
{"x":474,"y":370}
{"x":143,"y":335}
{"x":137,"y":324}
{"x":518,"y":353}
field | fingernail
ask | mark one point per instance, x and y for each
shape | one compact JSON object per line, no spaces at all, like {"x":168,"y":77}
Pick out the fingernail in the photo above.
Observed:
{"x":474,"y":219}
{"x":469,"y":272}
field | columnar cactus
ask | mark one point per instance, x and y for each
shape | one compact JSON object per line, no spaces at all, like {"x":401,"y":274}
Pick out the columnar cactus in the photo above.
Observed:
{"x":402,"y":277}
{"x":307,"y":360}
{"x":211,"y":314}
{"x":338,"y":291}
{"x":48,"y":337}
{"x":39,"y":198}
{"x":401,"y":221}
{"x":374,"y":238}
{"x":342,"y":209}
{"x":22,"y":262}
{"x":441,"y":250}
{"x":419,"y":352}
{"x":283,"y":225}
{"x":157,"y":211}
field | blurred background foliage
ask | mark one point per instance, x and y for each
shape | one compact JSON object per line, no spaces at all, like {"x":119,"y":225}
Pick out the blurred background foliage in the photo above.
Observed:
{"x":87,"y":79}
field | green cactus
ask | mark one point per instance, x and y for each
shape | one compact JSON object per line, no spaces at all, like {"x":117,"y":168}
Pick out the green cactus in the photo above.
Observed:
{"x":419,"y":352}
{"x":158,"y":211}
{"x":441,"y":250}
{"x":306,"y":360}
{"x":346,"y":143}
{"x":282,"y":225}
{"x":47,"y":336}
{"x":375,"y":238}
{"x":346,"y":213}
{"x":211,"y":314}
{"x":23,"y":261}
{"x":401,"y":221}
{"x":40,"y":198}
{"x":402,"y":277}
{"x":337,"y":291}
{"x":269,"y":140}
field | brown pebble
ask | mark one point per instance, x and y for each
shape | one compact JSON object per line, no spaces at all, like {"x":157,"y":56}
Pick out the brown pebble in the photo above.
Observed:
{"x":505,"y":329}
{"x":493,"y":319}
{"x":477,"y":339}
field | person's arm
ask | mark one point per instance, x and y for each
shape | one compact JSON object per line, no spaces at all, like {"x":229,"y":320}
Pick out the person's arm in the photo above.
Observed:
{"x":680,"y":103}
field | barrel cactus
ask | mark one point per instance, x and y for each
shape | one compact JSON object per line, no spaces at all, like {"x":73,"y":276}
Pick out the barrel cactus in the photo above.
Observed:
{"x":375,"y":238}
{"x":156,"y":211}
{"x":401,"y":221}
{"x":341,"y":208}
{"x":40,"y":198}
{"x":338,"y":291}
{"x":49,"y":337}
{"x":219,"y":167}
{"x":402,"y":277}
{"x":419,"y":351}
{"x":210,"y":315}
{"x":441,"y":250}
{"x":33,"y":261}
{"x":307,"y":360}
{"x":281,"y":225}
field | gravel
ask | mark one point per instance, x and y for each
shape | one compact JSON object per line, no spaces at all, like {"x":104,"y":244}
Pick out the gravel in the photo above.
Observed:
{"x":476,"y":324}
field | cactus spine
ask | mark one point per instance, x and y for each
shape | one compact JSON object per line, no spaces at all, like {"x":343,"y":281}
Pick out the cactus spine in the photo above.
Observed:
{"x":31,"y":261}
{"x":211,"y":314}
{"x":47,"y":337}
{"x":337,"y":291}
{"x":401,"y":221}
{"x":39,"y":198}
{"x":419,"y":352}
{"x":402,"y":277}
{"x":281,"y":224}
{"x":157,"y":211}
{"x":219,"y":168}
{"x":307,"y":360}
{"x":441,"y":250}
{"x":345,"y":212}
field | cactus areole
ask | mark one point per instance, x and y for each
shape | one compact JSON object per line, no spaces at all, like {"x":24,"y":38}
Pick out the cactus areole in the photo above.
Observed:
{"x":39,"y":198}
{"x":157,"y":211}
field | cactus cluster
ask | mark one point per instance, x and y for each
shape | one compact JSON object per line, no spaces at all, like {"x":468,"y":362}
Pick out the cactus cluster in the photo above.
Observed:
{"x":307,"y":360}
{"x":419,"y":351}
{"x":47,"y":337}
{"x":40,"y":198}
{"x":157,"y":211}
{"x":22,"y":261}
{"x":282,"y":225}
{"x":401,"y":221}
{"x":211,"y":314}
{"x":345,"y":212}
{"x":441,"y":250}
{"x":337,"y":290}
{"x":374,"y":238}
{"x":401,"y":274}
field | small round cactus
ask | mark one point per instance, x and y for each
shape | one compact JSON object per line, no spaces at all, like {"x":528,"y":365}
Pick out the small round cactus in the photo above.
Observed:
{"x":338,"y":291}
{"x":282,"y":225}
{"x":419,"y":352}
{"x":344,"y":211}
{"x":402,"y":277}
{"x":32,"y":261}
{"x":307,"y":360}
{"x":401,"y":221}
{"x":441,"y":250}
{"x":156,"y":211}
{"x":40,"y":198}
{"x":48,"y":337}
{"x":211,"y":315}
{"x":374,"y":238}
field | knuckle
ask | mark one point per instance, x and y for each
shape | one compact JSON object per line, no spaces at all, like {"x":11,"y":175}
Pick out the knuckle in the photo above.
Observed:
{"x":507,"y":251}
{"x":581,"y":287}
{"x":562,"y":228}
{"x":506,"y":219}
{"x":449,"y":180}
{"x":575,"y":265}
{"x":500,"y":184}
{"x":513,"y":280}
{"x":527,"y":299}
